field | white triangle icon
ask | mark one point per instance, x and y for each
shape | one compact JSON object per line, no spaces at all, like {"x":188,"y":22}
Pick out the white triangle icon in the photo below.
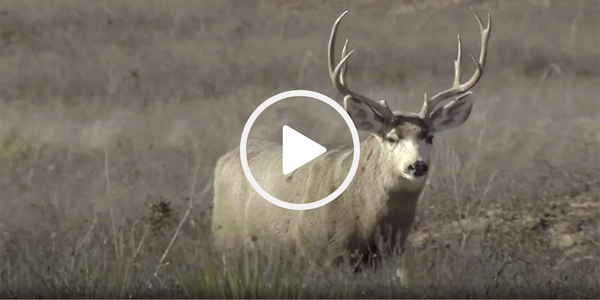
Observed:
{"x":298,"y":150}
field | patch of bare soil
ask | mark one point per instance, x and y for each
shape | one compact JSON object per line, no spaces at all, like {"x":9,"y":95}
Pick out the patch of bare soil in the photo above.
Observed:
{"x":570,"y":224}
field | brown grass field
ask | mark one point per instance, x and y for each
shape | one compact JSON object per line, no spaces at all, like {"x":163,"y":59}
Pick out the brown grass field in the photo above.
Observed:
{"x":113,"y":114}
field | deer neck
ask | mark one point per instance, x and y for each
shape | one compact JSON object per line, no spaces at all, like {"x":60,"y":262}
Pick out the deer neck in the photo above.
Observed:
{"x":379,"y":193}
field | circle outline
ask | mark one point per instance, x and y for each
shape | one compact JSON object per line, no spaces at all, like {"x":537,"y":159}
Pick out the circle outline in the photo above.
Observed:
{"x":244,"y":139}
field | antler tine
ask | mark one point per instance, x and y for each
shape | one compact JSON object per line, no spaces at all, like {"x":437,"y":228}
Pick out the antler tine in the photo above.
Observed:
{"x":457,"y":75}
{"x":457,"y":71}
{"x":338,"y":81}
{"x":345,"y":67}
{"x":458,"y":88}
{"x":337,"y":73}
{"x":331,"y":46}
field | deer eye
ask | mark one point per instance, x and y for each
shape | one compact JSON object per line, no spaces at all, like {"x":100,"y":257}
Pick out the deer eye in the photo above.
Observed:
{"x":429,"y":139}
{"x":391,"y":140}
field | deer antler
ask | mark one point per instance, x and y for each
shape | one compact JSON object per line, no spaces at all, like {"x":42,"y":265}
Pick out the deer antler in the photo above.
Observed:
{"x":337,"y":73}
{"x":457,"y":88}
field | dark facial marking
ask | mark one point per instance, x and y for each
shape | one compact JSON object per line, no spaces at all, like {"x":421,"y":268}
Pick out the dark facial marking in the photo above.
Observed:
{"x":399,"y":120}
{"x":421,"y":128}
{"x":424,"y":133}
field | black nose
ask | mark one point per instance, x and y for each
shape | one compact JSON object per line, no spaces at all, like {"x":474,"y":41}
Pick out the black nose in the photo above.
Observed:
{"x":418,"y":169}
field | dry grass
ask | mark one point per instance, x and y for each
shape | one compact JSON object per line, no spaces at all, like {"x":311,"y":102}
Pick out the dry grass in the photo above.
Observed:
{"x":113,"y":114}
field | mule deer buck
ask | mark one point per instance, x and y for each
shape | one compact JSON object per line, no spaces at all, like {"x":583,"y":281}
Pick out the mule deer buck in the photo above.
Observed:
{"x":381,"y":200}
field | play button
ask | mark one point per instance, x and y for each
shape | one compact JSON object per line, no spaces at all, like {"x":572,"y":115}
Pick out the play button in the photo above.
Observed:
{"x":298,"y":150}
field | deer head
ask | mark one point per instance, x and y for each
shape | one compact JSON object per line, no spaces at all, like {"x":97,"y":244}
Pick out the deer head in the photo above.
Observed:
{"x":407,"y":138}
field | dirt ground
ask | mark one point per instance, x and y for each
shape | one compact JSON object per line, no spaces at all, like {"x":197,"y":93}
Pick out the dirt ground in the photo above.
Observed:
{"x":113,"y":113}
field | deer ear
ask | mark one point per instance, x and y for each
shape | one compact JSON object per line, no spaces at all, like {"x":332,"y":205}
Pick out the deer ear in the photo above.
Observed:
{"x":363,"y":116}
{"x":452,"y":114}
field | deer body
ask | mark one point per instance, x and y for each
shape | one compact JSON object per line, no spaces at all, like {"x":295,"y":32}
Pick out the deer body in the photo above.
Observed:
{"x":380,"y":201}
{"x":346,"y":224}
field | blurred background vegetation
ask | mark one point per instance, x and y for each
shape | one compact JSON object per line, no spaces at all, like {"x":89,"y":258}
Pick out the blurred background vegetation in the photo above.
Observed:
{"x":113,"y":113}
